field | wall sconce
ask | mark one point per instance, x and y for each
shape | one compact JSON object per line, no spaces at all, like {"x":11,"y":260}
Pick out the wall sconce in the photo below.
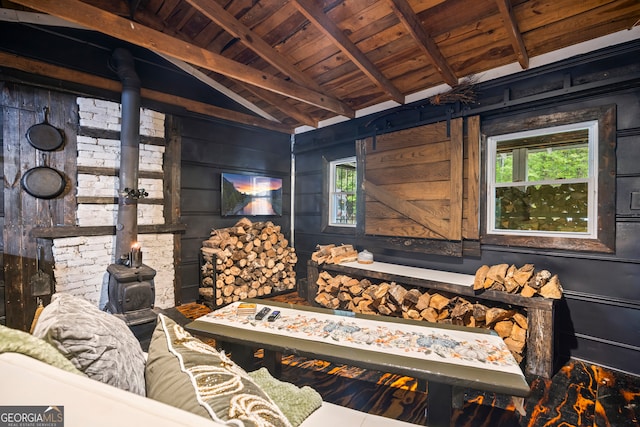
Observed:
{"x":133,"y":193}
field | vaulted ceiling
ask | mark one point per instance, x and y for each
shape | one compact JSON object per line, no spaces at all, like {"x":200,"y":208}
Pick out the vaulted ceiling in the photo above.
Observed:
{"x":297,"y":62}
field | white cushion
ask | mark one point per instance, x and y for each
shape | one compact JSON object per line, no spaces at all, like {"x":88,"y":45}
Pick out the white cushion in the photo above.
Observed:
{"x":336,"y":415}
{"x":87,"y":402}
{"x":27,"y":381}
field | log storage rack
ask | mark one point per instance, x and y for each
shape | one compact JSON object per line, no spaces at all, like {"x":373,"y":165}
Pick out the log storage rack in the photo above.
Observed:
{"x":540,"y":341}
{"x":247,"y":260}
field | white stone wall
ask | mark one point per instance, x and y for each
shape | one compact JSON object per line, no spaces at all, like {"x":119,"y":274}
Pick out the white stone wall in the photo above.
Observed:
{"x":81,"y":262}
{"x":105,"y":153}
{"x":157,"y":253}
{"x":81,"y":266}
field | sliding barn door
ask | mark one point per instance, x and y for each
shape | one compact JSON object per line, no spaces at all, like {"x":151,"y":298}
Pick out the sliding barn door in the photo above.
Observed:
{"x":422,"y":183}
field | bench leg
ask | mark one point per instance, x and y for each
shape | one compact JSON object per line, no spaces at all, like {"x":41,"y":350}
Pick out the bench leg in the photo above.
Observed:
{"x":439,"y":404}
{"x":457,"y":400}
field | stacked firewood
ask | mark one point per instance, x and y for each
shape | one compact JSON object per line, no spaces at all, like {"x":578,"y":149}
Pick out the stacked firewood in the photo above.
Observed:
{"x":248,"y":260}
{"x":525,"y":281}
{"x":332,"y":254}
{"x":341,"y":292}
{"x":559,"y":207}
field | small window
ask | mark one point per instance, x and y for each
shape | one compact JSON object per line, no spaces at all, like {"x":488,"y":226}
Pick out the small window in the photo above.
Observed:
{"x":342,"y":192}
{"x":544,"y":182}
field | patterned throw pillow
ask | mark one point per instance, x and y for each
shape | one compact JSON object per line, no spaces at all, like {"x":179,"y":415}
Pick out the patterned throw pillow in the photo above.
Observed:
{"x":97,"y":343}
{"x":184,"y":372}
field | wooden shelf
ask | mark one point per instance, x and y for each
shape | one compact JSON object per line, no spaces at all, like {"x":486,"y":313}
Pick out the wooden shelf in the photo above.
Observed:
{"x":540,"y":311}
{"x":62,"y":231}
{"x":457,"y":283}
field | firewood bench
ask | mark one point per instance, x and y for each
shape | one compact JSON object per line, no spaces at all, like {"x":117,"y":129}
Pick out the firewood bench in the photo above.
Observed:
{"x":540,"y":311}
{"x":440,"y":357}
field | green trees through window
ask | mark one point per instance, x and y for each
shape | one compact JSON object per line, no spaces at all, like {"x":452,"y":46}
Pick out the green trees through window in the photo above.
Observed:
{"x":541,"y":181}
{"x":547,"y":163}
{"x":343,"y":192}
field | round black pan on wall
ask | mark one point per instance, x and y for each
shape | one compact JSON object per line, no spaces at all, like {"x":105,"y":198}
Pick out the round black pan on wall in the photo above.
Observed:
{"x":43,"y":136}
{"x":43,"y":182}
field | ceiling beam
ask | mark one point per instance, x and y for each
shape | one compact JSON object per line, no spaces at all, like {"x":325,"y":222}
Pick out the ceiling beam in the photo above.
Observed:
{"x":31,"y":66}
{"x":511,"y":25}
{"x":12,"y":15}
{"x":253,"y":41}
{"x":318,"y":18}
{"x":277,"y":102}
{"x":204,"y":78}
{"x":409,"y":19}
{"x":156,"y":41}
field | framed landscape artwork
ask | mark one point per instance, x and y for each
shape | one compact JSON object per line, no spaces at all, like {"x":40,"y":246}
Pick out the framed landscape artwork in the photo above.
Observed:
{"x":250,"y":195}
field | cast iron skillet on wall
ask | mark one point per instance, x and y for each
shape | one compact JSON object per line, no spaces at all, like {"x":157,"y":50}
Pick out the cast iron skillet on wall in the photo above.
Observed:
{"x":44,"y":182}
{"x":43,"y":136}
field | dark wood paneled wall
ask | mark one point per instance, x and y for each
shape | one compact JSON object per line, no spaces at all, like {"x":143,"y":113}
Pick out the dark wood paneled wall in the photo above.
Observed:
{"x":599,"y":316}
{"x":3,"y":319}
{"x":197,"y":151}
{"x":22,"y":107}
{"x":208,"y":149}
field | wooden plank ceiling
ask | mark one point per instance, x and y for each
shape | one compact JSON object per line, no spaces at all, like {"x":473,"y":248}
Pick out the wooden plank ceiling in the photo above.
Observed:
{"x":303,"y":61}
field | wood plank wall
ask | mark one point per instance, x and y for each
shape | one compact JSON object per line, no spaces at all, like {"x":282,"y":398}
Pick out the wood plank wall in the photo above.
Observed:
{"x":208,"y":149}
{"x":3,"y":319}
{"x":597,"y":320}
{"x":22,"y":107}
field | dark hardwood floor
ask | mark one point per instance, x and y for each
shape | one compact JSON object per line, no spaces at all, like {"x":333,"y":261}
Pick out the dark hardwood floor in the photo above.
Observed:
{"x":578,"y":395}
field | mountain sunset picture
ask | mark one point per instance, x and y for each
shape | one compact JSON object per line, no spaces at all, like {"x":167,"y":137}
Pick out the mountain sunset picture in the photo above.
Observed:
{"x":250,"y":195}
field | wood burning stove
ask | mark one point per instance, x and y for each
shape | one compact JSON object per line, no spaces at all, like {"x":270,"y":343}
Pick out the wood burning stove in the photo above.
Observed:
{"x":132,"y":297}
{"x":130,"y":289}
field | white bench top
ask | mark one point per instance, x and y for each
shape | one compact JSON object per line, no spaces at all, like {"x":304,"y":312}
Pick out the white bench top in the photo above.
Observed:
{"x":415,"y":272}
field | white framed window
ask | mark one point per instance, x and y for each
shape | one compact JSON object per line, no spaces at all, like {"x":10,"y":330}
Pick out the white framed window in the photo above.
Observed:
{"x":342,"y":192}
{"x":544,"y":182}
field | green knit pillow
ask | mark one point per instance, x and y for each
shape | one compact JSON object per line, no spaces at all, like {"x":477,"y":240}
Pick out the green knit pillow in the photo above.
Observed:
{"x":15,"y":341}
{"x":297,"y":403}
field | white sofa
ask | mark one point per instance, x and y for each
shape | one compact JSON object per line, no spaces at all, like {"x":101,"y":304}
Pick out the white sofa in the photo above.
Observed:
{"x":27,"y":381}
{"x":90,"y":363}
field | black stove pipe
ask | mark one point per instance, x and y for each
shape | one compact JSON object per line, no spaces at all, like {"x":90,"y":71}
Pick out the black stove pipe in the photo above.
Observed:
{"x":127,"y":222}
